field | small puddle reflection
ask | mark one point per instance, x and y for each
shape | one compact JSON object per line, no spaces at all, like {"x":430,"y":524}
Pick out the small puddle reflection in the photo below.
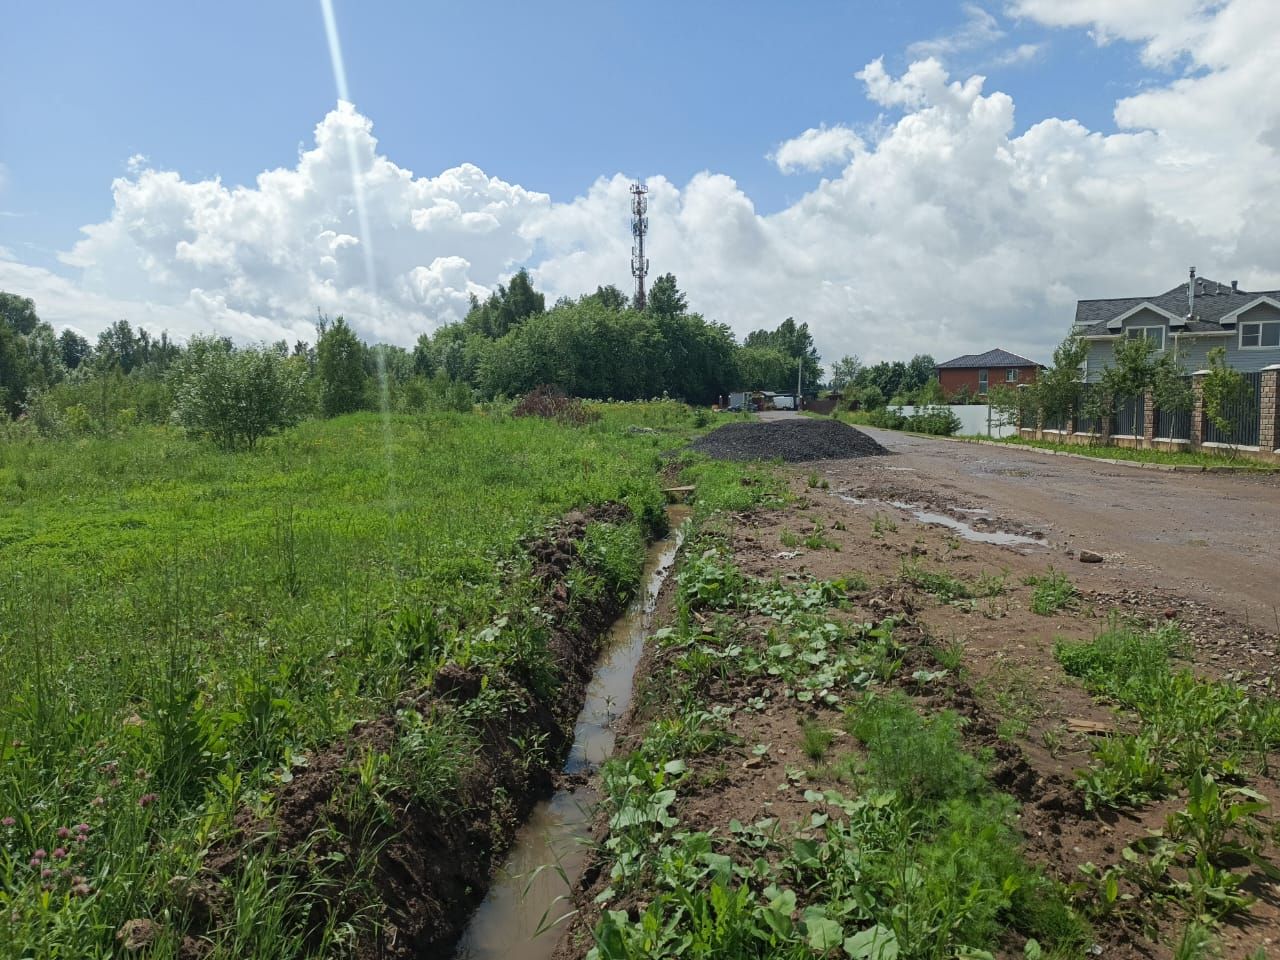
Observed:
{"x":530,"y":892}
{"x":959,"y":526}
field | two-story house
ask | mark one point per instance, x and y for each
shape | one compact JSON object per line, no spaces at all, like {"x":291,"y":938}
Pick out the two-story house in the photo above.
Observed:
{"x":1189,"y":320}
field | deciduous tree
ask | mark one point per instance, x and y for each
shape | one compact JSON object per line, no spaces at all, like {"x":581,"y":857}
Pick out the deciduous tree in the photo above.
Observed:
{"x":340,"y":357}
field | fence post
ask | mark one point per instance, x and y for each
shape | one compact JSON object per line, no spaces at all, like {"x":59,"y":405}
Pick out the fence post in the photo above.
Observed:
{"x":1269,"y":409}
{"x":1197,"y":408}
{"x":1148,"y":419}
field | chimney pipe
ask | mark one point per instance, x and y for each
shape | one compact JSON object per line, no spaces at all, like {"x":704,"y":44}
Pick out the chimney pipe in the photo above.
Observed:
{"x":1234,"y":287}
{"x":1191,"y":295}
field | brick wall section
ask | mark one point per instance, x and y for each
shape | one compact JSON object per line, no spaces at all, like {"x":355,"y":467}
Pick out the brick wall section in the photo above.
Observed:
{"x":1197,"y":408}
{"x":953,"y":378}
{"x":1269,"y":429}
{"x":1148,"y":419}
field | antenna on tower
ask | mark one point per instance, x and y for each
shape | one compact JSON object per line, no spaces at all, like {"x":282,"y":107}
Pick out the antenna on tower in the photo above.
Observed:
{"x":639,"y":227}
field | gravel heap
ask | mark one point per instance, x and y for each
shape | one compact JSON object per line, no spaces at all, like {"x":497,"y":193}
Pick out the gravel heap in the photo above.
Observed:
{"x":803,"y":438}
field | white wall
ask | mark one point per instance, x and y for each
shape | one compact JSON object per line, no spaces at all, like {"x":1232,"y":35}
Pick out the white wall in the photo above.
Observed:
{"x":973,"y":420}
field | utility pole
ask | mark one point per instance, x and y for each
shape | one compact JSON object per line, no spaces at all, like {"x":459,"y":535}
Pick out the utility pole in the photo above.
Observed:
{"x":799,"y":380}
{"x":639,"y":227}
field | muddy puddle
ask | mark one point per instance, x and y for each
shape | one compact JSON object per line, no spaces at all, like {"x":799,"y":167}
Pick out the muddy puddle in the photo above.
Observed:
{"x":965,"y":530}
{"x":520,"y":917}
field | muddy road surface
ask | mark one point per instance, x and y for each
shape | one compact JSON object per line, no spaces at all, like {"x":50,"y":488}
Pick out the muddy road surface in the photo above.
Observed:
{"x":1205,"y":536}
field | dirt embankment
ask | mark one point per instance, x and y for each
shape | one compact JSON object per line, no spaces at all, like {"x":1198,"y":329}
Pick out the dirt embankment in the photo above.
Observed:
{"x":409,"y":875}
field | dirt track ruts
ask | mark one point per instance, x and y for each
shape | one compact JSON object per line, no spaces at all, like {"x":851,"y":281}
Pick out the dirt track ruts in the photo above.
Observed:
{"x":1211,"y":537}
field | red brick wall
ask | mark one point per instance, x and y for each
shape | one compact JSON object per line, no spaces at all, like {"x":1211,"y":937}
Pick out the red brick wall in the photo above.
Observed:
{"x":953,"y":378}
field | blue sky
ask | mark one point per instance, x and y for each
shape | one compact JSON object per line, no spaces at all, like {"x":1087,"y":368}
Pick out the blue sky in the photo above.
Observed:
{"x":1112,"y":143}
{"x":549,"y":98}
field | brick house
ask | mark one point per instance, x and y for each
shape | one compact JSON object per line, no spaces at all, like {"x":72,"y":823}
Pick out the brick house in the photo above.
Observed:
{"x":980,"y":371}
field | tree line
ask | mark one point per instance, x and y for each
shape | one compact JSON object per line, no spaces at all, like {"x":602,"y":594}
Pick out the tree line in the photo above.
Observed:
{"x":597,"y":346}
{"x":887,"y":383}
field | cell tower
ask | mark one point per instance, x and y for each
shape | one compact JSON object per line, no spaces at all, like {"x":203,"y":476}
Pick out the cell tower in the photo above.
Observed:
{"x":639,"y":227}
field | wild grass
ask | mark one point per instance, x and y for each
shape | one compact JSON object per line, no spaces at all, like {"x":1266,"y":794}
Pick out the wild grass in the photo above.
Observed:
{"x":1191,"y":458}
{"x":1053,"y":592}
{"x":181,"y":627}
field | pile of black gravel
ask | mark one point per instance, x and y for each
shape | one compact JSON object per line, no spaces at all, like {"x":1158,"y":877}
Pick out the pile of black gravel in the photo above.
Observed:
{"x":803,"y":438}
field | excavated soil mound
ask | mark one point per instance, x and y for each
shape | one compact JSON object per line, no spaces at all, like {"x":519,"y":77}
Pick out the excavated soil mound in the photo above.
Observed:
{"x":793,"y":440}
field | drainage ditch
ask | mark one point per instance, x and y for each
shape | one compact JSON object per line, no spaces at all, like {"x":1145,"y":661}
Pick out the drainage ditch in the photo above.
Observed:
{"x":520,"y":917}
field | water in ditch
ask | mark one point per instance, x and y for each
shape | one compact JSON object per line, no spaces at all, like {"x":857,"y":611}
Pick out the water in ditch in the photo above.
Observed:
{"x":519,"y":918}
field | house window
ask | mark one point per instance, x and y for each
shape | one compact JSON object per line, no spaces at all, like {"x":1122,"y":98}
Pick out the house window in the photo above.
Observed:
{"x":1011,"y":375}
{"x":1154,"y":334}
{"x":982,"y":381}
{"x":1259,"y":335}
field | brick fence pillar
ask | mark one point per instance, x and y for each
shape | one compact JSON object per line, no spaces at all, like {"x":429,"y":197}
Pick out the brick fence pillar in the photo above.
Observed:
{"x":1197,"y":407}
{"x":1148,"y":418}
{"x":1269,"y":409}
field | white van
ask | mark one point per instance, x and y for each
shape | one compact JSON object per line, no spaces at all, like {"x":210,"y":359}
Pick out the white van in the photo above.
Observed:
{"x":782,"y":402}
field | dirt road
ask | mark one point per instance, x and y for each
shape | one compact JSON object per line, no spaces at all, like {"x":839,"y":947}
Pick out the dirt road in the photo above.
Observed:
{"x":1212,"y":537}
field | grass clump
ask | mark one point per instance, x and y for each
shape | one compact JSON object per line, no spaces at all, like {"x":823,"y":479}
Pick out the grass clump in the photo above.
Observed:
{"x":1053,"y":592}
{"x":815,"y":739}
{"x":919,"y":758}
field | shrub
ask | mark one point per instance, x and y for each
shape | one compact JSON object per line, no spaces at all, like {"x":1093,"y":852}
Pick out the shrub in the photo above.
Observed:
{"x":237,"y":396}
{"x":940,"y":421}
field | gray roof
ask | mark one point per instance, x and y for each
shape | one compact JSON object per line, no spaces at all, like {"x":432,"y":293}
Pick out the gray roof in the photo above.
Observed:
{"x":1213,"y":301}
{"x":992,"y":358}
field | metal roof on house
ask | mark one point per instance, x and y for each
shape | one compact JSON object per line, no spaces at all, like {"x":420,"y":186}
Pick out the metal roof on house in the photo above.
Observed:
{"x":1213,"y":301}
{"x":992,"y":358}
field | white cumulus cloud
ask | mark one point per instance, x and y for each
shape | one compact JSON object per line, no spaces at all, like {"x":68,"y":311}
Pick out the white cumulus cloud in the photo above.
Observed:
{"x":291,"y":243}
{"x":816,"y":148}
{"x":945,"y":231}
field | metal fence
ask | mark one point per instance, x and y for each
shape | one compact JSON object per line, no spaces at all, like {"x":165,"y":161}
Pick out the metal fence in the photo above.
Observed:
{"x":1130,"y":414}
{"x":1242,"y":417}
{"x":1174,"y":424}
{"x":1085,"y":424}
{"x":1054,"y":421}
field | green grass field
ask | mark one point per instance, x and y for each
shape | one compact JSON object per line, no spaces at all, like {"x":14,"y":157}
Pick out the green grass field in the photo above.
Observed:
{"x":180,"y":626}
